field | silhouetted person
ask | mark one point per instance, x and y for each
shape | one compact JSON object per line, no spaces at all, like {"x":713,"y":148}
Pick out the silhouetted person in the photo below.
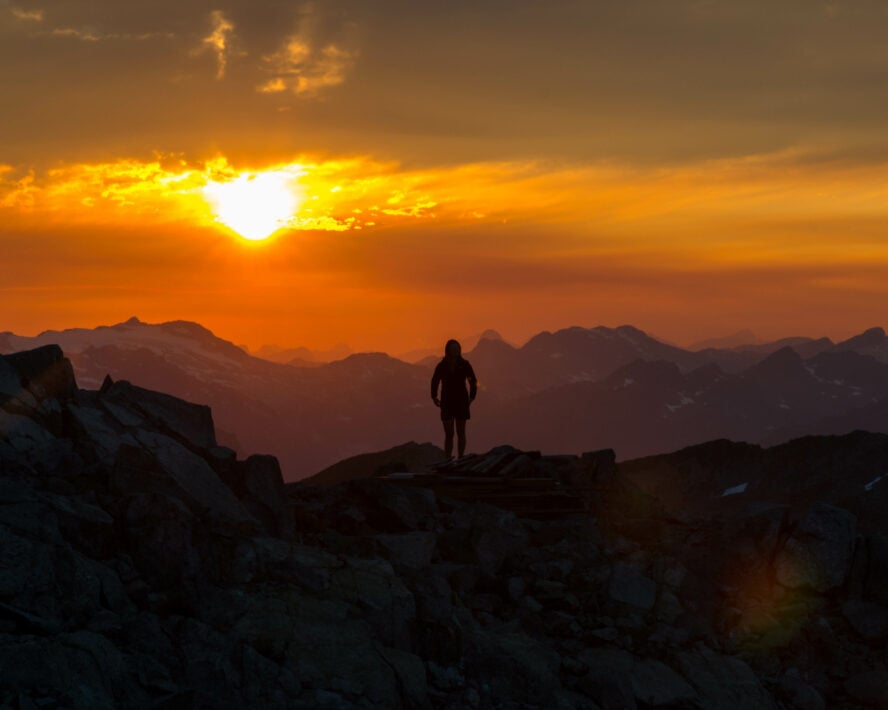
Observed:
{"x":452,"y":373}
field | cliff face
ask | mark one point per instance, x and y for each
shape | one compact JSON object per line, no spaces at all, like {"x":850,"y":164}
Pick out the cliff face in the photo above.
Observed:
{"x":142,"y":565}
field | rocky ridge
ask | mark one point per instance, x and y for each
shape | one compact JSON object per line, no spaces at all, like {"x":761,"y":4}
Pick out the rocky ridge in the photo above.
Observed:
{"x":143,"y":565}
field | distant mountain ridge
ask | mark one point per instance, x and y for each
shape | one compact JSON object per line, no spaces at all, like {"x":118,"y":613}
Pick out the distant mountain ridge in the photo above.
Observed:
{"x":740,"y":338}
{"x":569,"y":390}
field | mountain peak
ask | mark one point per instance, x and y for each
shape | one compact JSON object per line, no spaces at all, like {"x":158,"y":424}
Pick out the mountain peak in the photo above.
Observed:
{"x":489,"y":334}
{"x":778,"y":364}
{"x":786,"y":355}
{"x":870,"y":338}
{"x":627,"y":329}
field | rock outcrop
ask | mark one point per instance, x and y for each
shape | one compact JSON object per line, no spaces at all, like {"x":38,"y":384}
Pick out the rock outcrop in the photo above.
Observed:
{"x":143,"y":566}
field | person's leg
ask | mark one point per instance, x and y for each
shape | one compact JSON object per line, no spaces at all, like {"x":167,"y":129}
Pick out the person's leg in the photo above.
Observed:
{"x":461,"y":436}
{"x":448,"y":437}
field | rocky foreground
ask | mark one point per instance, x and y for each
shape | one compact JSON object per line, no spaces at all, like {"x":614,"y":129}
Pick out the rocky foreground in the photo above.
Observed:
{"x":142,"y":565}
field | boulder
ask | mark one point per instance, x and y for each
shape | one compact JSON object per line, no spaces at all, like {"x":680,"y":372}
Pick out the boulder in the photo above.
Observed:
{"x":160,"y":539}
{"x":723,"y":681}
{"x":629,"y":586}
{"x":10,"y":382}
{"x":869,"y":621}
{"x":333,"y":651}
{"x":80,"y":670}
{"x":184,"y":474}
{"x":514,"y":667}
{"x":192,"y":423}
{"x":410,"y":673}
{"x":597,"y":468}
{"x":876,"y":583}
{"x":386,"y":603}
{"x":653,"y":682}
{"x":819,"y":553}
{"x":611,"y":690}
{"x":799,"y":693}
{"x":94,"y":428}
{"x":24,"y":440}
{"x":492,"y":546}
{"x":658,"y":685}
{"x":869,"y":688}
{"x":411,"y":551}
{"x":396,"y":508}
{"x":26,"y":566}
{"x":260,"y":486}
{"x":45,"y":372}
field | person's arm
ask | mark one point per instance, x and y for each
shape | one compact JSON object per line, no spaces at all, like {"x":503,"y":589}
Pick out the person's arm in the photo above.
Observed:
{"x":436,"y":380}
{"x":473,"y":382}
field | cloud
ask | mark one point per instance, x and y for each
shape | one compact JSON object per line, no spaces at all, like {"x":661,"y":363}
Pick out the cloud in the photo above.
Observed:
{"x":219,"y":41}
{"x":301,"y":69}
{"x":319,"y":55}
{"x":27,"y":15}
{"x":87,"y":34}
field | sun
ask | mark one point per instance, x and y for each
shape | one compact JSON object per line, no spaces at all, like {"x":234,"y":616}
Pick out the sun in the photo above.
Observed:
{"x":255,"y":205}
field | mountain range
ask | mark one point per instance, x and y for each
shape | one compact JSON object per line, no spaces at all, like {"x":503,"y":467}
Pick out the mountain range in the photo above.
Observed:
{"x":574,"y":389}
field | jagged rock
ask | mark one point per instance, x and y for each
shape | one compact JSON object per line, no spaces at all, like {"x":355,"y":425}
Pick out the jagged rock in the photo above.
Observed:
{"x":160,"y":534}
{"x":187,"y":476}
{"x":876,"y":584}
{"x":23,"y":439}
{"x":143,"y":566}
{"x":83,"y":524}
{"x":94,"y":426}
{"x":26,"y":566}
{"x":411,"y":550}
{"x":869,"y":688}
{"x":598,"y":467}
{"x":14,"y":397}
{"x":869,"y":620}
{"x":80,"y":670}
{"x":724,"y":681}
{"x":397,"y":508}
{"x":819,"y":552}
{"x":332,"y":652}
{"x":492,"y":546}
{"x":800,"y":694}
{"x":259,"y":558}
{"x":612,"y":691}
{"x":653,"y":682}
{"x":628,"y":586}
{"x":657,"y":684}
{"x":515,"y":667}
{"x":192,"y":422}
{"x":410,"y":673}
{"x":260,"y":486}
{"x":754,"y":537}
{"x":45,"y":372}
{"x":212,"y":660}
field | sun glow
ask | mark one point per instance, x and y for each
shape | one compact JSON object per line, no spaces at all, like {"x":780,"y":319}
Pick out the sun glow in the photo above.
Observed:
{"x":255,"y":205}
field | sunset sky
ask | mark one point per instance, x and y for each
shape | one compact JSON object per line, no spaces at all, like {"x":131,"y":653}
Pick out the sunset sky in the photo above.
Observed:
{"x":425,"y":169}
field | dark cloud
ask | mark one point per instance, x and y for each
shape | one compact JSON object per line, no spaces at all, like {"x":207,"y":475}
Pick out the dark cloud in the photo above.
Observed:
{"x":424,"y":81}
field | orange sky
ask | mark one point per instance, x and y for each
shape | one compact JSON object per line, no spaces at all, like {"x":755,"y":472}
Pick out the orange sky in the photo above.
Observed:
{"x":520,"y":166}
